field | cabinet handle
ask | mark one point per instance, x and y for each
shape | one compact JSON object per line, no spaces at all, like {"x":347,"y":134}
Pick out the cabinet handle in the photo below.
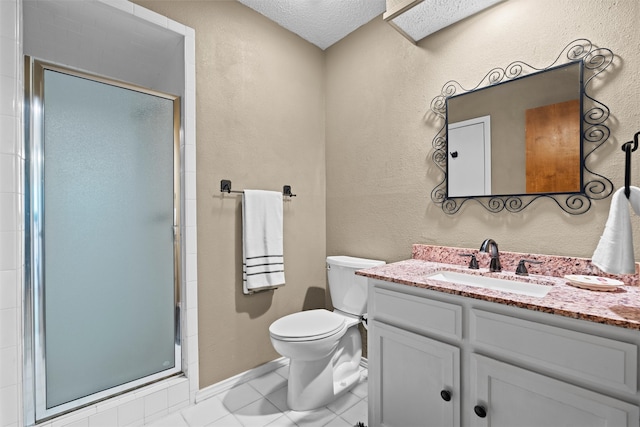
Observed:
{"x":480,"y":411}
{"x":446,"y":395}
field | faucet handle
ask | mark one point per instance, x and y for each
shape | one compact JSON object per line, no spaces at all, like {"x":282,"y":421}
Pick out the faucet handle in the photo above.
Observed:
{"x":521,"y":270}
{"x":473,"y":263}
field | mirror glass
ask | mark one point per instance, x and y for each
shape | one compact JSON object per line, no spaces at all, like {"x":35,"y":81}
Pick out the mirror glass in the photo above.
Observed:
{"x":517,"y":137}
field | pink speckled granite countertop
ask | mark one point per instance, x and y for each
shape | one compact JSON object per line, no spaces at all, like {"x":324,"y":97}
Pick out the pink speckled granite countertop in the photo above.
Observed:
{"x":618,"y":308}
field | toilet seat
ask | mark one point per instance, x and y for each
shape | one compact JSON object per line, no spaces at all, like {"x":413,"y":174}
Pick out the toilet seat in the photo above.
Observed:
{"x":307,"y":325}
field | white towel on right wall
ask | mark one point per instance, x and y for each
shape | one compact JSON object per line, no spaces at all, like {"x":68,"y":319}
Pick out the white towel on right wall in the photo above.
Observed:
{"x":614,"y":253}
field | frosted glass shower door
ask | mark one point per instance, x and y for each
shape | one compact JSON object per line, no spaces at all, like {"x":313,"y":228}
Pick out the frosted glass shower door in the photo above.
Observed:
{"x":106,"y":216}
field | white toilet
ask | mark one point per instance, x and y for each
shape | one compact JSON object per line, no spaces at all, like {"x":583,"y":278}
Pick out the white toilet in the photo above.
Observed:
{"x":324,"y":347}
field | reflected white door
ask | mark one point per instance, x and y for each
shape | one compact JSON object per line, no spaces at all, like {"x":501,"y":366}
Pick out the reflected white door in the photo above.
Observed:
{"x":469,"y":157}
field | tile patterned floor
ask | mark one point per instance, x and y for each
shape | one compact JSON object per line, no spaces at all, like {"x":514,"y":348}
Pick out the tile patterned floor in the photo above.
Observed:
{"x":262,"y":402}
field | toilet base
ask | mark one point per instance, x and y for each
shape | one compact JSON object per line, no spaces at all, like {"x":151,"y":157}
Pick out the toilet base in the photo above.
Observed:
{"x":313,"y":384}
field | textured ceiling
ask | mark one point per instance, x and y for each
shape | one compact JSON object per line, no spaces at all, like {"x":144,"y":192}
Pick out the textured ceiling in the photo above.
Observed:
{"x":324,"y":22}
{"x":321,"y":22}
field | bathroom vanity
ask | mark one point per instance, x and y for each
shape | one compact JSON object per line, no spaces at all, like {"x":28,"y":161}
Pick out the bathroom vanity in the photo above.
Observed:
{"x":445,"y":354}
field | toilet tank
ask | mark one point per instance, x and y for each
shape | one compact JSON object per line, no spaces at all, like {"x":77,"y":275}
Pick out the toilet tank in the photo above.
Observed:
{"x":348,"y":291}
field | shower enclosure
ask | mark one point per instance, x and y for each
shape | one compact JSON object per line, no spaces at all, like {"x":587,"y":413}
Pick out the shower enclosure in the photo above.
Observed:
{"x":102,"y":246}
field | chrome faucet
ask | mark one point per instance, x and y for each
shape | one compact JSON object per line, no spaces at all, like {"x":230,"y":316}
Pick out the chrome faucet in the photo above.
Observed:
{"x":490,"y":246}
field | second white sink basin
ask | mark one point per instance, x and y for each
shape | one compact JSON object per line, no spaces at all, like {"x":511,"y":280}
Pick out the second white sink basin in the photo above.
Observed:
{"x":505,"y":285}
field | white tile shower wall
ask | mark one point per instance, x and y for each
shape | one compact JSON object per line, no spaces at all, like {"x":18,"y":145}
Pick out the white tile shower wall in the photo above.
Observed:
{"x":10,"y":223}
{"x":189,"y":227}
{"x":138,"y":407}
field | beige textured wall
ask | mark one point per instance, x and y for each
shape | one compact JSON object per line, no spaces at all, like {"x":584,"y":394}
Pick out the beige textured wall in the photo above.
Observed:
{"x":268,"y":103}
{"x":379,"y":127}
{"x":260,"y":123}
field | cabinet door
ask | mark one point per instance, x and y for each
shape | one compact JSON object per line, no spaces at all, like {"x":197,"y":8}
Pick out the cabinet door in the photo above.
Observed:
{"x":514,"y":397}
{"x":409,"y":379}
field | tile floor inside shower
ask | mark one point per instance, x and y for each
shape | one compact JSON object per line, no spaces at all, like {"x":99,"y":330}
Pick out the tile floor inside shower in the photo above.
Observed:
{"x":262,"y":402}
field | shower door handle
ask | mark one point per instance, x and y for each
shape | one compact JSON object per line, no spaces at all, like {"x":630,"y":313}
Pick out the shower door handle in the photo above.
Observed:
{"x":176,"y":228}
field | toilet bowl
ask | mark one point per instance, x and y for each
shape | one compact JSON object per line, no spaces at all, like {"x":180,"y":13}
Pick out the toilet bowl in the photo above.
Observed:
{"x":318,"y":373}
{"x":324,"y":347}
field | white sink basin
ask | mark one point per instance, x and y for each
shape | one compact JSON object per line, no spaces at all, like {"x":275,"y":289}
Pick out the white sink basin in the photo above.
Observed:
{"x":505,"y":285}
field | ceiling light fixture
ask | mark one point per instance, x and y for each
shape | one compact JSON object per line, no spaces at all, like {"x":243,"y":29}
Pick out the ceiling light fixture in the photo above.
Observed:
{"x":416,"y":19}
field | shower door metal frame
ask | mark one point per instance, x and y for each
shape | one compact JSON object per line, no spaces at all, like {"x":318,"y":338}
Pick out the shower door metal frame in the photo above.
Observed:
{"x":34,"y":379}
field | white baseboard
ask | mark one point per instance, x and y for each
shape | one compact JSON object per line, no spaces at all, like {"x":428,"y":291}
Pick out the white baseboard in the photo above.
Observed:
{"x":241,"y":378}
{"x":246,"y":376}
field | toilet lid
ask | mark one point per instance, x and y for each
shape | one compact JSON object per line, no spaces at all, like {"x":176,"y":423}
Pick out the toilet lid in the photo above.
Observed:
{"x":307,"y":325}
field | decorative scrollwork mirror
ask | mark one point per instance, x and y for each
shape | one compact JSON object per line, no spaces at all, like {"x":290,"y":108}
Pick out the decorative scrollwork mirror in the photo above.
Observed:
{"x":524,"y":133}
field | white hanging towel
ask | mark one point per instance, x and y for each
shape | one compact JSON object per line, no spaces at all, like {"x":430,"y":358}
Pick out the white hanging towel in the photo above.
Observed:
{"x":614,"y":253}
{"x":262,"y":241}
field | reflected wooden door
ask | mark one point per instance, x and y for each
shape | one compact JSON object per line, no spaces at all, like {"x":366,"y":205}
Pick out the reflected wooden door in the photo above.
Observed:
{"x":552,"y":137}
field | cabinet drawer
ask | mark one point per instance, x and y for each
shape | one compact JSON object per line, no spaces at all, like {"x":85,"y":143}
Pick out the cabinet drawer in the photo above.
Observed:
{"x":573,"y":355}
{"x":417,"y":314}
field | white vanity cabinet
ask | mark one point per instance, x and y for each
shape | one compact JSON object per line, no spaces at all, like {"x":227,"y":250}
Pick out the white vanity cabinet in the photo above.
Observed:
{"x":417,"y":379}
{"x":444,"y":360}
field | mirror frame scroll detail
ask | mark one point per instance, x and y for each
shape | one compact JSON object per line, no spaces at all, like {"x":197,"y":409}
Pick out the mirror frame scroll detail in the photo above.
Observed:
{"x":594,"y":133}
